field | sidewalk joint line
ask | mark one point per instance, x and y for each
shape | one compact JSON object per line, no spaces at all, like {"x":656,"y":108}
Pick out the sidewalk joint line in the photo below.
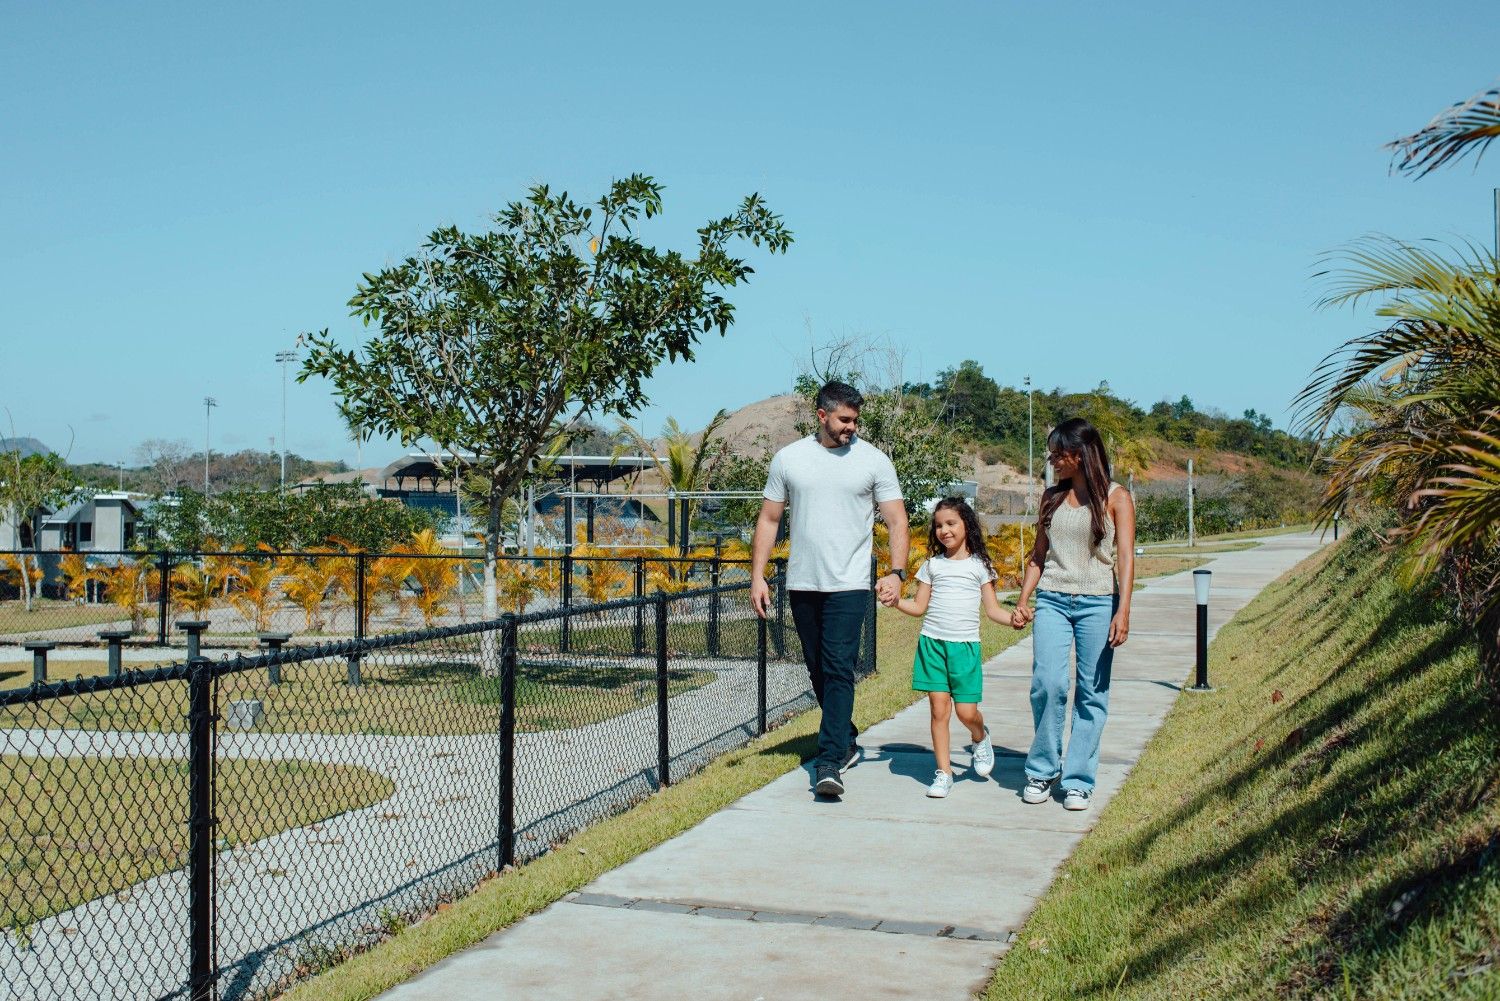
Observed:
{"x":890,"y":926}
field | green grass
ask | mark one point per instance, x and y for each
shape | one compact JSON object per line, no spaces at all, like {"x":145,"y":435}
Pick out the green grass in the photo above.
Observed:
{"x":48,"y":614}
{"x":1154,"y":564}
{"x":507,"y":898}
{"x":400,"y":697}
{"x":1207,"y":549}
{"x":80,"y":828}
{"x":1324,"y":825}
{"x":1247,"y":533}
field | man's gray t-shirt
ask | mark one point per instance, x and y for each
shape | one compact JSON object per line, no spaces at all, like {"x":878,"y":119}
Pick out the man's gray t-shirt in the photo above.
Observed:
{"x":832,"y":493}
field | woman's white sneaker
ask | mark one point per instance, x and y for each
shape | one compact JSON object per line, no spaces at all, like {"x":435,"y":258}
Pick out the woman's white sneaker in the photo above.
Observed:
{"x":984,"y":756}
{"x":1075,"y":799}
{"x":941,"y":783}
{"x":1037,"y":790}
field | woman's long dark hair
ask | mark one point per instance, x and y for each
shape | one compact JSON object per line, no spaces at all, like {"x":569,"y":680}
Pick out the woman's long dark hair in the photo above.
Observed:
{"x":1081,"y":438}
{"x":973,"y":533}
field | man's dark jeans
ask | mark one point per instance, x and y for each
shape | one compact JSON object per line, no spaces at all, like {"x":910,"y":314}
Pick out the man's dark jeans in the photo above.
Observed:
{"x":829,"y":625}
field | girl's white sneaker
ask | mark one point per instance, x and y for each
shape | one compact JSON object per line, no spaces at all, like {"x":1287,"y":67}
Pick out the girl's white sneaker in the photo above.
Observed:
{"x":941,"y":783}
{"x":984,"y":756}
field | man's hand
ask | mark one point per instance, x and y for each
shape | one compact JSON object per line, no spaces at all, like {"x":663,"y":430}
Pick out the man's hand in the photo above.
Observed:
{"x":760,"y":596}
{"x":888,"y":589}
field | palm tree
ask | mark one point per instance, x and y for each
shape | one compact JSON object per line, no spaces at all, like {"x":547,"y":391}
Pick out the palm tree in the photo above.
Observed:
{"x":1467,"y":127}
{"x":308,"y":583}
{"x":688,"y":463}
{"x":1417,"y":401}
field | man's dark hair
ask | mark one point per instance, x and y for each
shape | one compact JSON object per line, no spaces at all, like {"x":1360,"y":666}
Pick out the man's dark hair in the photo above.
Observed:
{"x":839,"y":394}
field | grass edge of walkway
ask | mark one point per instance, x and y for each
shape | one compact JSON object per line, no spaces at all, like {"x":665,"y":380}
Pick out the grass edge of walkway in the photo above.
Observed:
{"x":503,"y":900}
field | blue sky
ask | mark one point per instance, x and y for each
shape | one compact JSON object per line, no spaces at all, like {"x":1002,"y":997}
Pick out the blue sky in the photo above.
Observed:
{"x":1130,"y":192}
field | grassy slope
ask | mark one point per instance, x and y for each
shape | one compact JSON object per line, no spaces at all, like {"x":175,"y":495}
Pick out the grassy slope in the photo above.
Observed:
{"x":613,"y":842}
{"x":1324,"y":825}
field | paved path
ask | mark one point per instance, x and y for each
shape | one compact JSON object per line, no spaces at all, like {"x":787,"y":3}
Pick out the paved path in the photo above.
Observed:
{"x":285,"y":897}
{"x":885,"y":894}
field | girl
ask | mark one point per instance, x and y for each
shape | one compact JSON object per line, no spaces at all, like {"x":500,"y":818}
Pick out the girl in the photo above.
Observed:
{"x":950,"y":590}
{"x":1082,"y":569}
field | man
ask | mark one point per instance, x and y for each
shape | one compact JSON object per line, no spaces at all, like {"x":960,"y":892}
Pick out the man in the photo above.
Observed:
{"x":833,"y":482}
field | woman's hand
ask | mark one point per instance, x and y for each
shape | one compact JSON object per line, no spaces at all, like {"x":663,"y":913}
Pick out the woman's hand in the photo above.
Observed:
{"x":1119,"y":627}
{"x":1022,"y":615}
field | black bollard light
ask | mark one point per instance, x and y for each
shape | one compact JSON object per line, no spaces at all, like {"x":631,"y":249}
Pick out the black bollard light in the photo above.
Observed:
{"x":114,"y":637}
{"x":194,"y":629}
{"x":1201,"y":580}
{"x":39,"y":650}
{"x":1335,"y":526}
{"x":272,"y":643}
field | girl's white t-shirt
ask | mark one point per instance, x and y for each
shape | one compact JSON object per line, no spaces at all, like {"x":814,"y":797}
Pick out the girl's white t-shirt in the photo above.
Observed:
{"x":953,"y":611}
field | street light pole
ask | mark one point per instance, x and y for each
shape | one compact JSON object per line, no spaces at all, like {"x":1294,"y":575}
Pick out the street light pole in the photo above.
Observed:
{"x":282,"y":357}
{"x":1030,"y":476}
{"x":208,"y":409}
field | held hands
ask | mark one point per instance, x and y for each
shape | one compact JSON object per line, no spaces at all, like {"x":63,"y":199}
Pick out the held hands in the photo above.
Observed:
{"x":1022,"y":616}
{"x":887,"y":590}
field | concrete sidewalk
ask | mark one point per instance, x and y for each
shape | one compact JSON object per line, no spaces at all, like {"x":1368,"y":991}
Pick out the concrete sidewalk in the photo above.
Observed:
{"x":883,"y":894}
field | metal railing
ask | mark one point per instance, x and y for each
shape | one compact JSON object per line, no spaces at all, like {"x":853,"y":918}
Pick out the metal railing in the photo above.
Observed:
{"x":222,"y":828}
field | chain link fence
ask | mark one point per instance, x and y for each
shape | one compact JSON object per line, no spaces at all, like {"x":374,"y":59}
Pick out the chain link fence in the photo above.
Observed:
{"x":88,"y":602}
{"x":225,"y":827}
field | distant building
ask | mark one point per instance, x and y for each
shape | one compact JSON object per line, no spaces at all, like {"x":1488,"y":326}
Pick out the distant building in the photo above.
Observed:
{"x":105,"y":522}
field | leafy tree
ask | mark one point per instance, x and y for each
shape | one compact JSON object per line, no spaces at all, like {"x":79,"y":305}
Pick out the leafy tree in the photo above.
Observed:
{"x":484,"y":340}
{"x":27,"y":484}
{"x":969,"y":397}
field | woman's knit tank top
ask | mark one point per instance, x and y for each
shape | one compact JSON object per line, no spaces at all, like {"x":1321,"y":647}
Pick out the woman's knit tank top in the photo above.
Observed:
{"x":1074,"y":564}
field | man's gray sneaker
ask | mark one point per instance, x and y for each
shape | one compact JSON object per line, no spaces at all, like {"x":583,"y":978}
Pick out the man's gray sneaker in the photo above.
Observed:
{"x":1037,"y":790}
{"x":829,"y":783}
{"x":1076,"y":799}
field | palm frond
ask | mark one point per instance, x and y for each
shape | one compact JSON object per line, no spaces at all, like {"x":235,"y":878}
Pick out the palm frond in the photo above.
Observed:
{"x":1466,"y":127}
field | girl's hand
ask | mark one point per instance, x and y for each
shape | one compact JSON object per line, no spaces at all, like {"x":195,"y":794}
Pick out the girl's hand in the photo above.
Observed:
{"x":1021,"y":616}
{"x":1119,"y":628}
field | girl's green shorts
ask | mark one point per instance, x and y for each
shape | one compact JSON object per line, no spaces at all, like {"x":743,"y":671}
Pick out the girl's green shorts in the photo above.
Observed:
{"x":945,"y":666}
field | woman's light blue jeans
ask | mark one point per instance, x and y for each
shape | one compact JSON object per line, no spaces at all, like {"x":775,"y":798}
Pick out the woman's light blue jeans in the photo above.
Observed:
{"x":1063,"y":622}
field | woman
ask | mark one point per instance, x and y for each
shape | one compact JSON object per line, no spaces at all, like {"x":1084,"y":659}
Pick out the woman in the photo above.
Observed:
{"x":1082,"y":570}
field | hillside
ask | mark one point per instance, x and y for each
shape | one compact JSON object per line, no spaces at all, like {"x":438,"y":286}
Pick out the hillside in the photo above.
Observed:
{"x":1325,"y":824}
{"x":1003,"y":486}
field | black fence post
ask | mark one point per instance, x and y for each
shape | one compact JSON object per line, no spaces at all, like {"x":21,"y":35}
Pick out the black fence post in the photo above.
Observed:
{"x":663,"y":748}
{"x":200,"y":831}
{"x":565,"y":636}
{"x":361,"y":612}
{"x":640,"y":605}
{"x":361,"y":597}
{"x":780,"y":635}
{"x":507,"y":832}
{"x":715,"y":569}
{"x":760,"y":673}
{"x":163,"y":574}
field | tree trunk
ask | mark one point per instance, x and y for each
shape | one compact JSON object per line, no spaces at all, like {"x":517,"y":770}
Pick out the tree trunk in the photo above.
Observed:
{"x":489,"y":648}
{"x":26,"y":576}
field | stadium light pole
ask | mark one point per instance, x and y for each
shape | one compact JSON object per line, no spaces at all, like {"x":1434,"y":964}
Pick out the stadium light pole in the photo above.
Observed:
{"x":208,"y":408}
{"x":282,"y":358}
